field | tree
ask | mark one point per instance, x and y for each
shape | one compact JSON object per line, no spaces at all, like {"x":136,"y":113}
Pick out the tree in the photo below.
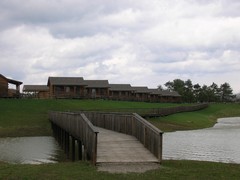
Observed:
{"x":160,"y":88}
{"x":203,"y":95}
{"x":196,"y":92}
{"x":175,"y":85}
{"x":226,"y":92}
{"x":188,"y":91}
{"x":214,"y":93}
{"x":183,"y":88}
{"x":178,"y":85}
{"x":169,"y":85}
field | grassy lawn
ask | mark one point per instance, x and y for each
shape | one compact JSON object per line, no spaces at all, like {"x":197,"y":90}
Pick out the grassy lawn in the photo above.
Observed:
{"x":83,"y":170}
{"x":198,"y":119}
{"x":29,"y":118}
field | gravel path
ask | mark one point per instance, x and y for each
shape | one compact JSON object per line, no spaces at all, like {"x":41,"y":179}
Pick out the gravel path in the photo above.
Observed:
{"x":127,"y":167}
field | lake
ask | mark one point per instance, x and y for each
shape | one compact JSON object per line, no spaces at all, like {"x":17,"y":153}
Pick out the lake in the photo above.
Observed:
{"x":29,"y":150}
{"x":220,"y":143}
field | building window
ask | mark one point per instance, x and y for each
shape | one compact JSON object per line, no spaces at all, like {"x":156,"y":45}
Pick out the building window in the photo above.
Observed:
{"x":67,"y":89}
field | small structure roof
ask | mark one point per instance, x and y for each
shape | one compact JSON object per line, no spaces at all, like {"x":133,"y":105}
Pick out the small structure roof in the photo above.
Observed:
{"x":31,"y":88}
{"x":77,"y":81}
{"x":141,"y":89}
{"x":120,"y":87}
{"x":96,"y":83}
{"x":170,"y":93}
{"x":164,"y":92}
{"x":155,"y":91}
{"x":11,"y":81}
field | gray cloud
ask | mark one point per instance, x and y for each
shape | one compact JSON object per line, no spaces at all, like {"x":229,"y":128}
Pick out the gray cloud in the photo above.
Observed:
{"x":138,"y":42}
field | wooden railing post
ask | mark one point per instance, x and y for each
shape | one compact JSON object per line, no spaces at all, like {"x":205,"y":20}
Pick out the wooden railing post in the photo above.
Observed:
{"x":79,"y":150}
{"x":160,"y":147}
{"x":73,"y":148}
{"x":95,"y":149}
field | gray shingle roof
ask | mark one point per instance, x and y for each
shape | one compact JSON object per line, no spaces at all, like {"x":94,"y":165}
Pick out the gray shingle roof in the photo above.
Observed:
{"x":96,"y":83}
{"x":155,"y":91}
{"x":35,"y":88}
{"x":120,"y":87}
{"x":164,"y":92}
{"x":141,"y":89}
{"x":77,"y":81}
{"x":170,"y":93}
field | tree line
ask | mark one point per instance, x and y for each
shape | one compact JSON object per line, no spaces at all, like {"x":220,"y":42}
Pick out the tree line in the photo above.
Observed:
{"x":195,"y":93}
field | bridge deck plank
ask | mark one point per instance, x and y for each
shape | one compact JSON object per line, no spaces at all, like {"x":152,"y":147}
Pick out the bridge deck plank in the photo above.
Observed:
{"x":114,"y":147}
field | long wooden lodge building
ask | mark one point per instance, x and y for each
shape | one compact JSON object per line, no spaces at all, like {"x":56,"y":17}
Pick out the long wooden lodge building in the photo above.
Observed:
{"x":78,"y":88}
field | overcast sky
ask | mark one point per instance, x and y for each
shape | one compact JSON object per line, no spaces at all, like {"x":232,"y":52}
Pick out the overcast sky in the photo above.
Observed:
{"x":141,"y":42}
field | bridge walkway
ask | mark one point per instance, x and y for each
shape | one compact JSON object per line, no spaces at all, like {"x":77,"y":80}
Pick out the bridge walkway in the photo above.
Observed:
{"x":114,"y":147}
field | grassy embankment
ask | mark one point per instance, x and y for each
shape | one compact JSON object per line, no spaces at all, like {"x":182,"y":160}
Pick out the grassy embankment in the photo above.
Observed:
{"x":196,"y":120}
{"x":29,"y":117}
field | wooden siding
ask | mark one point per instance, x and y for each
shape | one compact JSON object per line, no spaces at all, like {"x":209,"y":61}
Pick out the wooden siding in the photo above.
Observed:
{"x":3,"y":87}
{"x":61,"y":91}
{"x":4,"y":91}
{"x":120,"y":95}
{"x":96,"y":93}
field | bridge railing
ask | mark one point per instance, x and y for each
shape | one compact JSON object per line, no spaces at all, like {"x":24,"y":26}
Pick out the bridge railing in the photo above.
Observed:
{"x":154,"y":112}
{"x":131,"y":124}
{"x":79,"y":127}
{"x":150,"y":136}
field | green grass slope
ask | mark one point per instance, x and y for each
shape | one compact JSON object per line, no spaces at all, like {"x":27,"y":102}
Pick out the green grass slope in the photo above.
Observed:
{"x":197,"y":119}
{"x":29,"y":117}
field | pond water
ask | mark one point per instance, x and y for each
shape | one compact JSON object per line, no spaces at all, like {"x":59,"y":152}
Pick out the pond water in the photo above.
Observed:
{"x":29,"y":150}
{"x":220,"y":143}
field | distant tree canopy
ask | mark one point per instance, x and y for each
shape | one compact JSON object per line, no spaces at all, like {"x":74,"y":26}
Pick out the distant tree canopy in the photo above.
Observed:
{"x":195,"y":93}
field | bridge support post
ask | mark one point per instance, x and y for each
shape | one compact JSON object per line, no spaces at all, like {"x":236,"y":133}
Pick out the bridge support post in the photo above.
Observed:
{"x":58,"y":134}
{"x":62,"y":138}
{"x":79,"y":150}
{"x":73,"y":148}
{"x":160,"y":148}
{"x":67,"y":144}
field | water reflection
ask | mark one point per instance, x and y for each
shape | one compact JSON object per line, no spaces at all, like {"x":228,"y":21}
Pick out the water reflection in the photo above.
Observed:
{"x":219,"y":143}
{"x":28,"y":150}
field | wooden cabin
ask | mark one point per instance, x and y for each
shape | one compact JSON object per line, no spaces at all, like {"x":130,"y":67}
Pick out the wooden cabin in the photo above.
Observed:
{"x":141,"y":93}
{"x":155,"y":95}
{"x":121,"y":92}
{"x":5,"y":91}
{"x":170,"y":96}
{"x":66,"y":87}
{"x":164,"y":96}
{"x":36,"y":91}
{"x":96,"y":89}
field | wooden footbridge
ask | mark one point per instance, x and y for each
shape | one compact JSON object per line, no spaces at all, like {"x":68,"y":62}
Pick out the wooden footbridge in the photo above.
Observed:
{"x":107,"y":137}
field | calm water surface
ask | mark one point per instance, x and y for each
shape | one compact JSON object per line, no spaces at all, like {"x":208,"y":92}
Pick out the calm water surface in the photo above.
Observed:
{"x":29,"y":150}
{"x":220,"y":143}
